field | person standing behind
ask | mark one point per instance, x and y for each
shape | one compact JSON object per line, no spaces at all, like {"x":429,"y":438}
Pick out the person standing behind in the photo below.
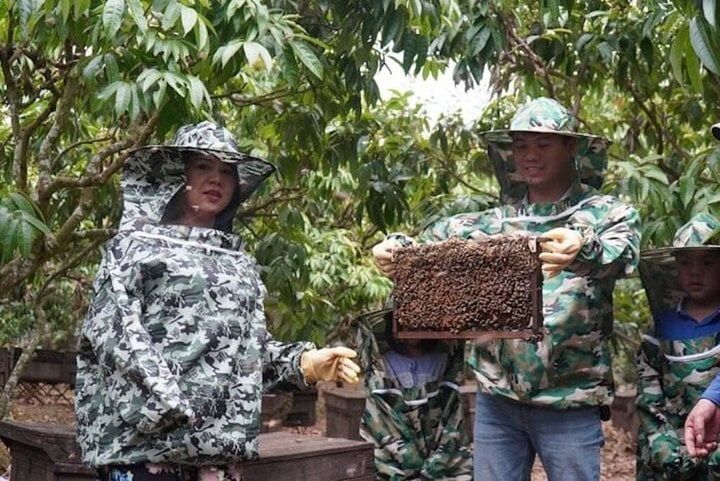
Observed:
{"x":702,"y":425}
{"x":547,"y":398}
{"x":682,"y":355}
{"x":174,"y":352}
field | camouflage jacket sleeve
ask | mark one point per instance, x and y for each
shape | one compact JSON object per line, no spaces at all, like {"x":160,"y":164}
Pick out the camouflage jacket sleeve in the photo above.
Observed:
{"x":611,"y":241}
{"x":659,"y":445}
{"x":145,"y":388}
{"x":281,"y":362}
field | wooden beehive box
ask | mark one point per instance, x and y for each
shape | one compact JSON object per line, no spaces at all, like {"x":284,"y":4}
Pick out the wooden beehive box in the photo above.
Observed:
{"x":466,"y":289}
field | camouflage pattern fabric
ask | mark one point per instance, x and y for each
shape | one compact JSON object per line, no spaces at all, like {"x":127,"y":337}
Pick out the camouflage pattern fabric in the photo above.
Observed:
{"x":174,"y":351}
{"x":418,"y":433}
{"x":571,"y":366}
{"x":657,"y":266}
{"x":672,"y":376}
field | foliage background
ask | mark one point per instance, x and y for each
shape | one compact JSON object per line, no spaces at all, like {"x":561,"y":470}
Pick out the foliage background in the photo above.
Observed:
{"x":83,"y":82}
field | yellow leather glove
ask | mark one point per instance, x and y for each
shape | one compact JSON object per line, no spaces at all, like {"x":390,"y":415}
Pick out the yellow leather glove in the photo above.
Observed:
{"x":560,"y":250}
{"x":329,"y":364}
{"x":383,"y":253}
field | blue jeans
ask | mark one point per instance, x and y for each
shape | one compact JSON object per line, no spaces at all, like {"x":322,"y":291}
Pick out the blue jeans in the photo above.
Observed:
{"x":508,"y":434}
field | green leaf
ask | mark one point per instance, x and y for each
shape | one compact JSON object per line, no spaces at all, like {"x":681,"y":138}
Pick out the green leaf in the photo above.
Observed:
{"x":201,"y":36}
{"x":7,"y":238}
{"x":137,"y":13}
{"x":257,"y":56}
{"x":308,"y":58}
{"x":289,"y":67}
{"x":198,"y":93}
{"x":693,"y":68}
{"x":112,"y":71}
{"x":226,"y":52}
{"x":704,"y":41}
{"x":677,"y":49}
{"x":188,"y":18}
{"x":112,"y":16}
{"x":687,"y":189}
{"x":24,"y":238}
{"x":21,"y":203}
{"x":710,"y":10}
{"x":123,"y":94}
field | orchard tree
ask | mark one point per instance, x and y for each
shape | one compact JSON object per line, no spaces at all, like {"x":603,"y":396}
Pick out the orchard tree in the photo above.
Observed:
{"x":84,"y":82}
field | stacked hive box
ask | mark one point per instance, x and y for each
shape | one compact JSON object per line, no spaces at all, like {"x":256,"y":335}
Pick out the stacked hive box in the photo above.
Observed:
{"x":465,"y":289}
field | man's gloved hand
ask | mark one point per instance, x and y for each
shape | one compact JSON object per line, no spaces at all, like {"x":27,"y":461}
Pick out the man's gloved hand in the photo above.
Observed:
{"x":384,"y":251}
{"x":329,"y":364}
{"x":560,"y":250}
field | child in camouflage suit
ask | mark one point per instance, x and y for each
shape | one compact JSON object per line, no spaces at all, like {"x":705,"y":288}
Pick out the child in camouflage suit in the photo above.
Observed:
{"x":413,"y":412}
{"x":174,"y":352}
{"x":680,"y":358}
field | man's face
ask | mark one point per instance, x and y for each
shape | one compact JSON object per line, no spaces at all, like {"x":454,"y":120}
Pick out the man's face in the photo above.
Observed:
{"x":699,"y":275}
{"x":544,"y":161}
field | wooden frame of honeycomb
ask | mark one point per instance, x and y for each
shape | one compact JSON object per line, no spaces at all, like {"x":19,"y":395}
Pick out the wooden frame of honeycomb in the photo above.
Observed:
{"x":466,"y":289}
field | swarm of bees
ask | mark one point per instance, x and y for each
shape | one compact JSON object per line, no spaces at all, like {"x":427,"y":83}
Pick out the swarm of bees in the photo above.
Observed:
{"x":468,"y":286}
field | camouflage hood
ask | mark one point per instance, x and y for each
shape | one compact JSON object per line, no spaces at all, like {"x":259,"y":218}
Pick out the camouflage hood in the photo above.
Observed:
{"x":154,"y":174}
{"x":657,"y":266}
{"x":544,"y":115}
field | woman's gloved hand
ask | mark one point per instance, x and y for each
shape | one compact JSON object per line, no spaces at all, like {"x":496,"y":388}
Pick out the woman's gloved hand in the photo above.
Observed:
{"x":329,"y":364}
{"x":560,"y":250}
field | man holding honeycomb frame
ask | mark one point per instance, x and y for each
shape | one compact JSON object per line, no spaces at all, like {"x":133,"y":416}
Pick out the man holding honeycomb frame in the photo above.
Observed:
{"x":547,"y":397}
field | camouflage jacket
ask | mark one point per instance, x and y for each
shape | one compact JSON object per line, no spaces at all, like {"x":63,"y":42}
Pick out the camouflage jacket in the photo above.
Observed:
{"x":671,"y":377}
{"x":571,"y":366}
{"x":418,"y":433}
{"x":174,"y":350}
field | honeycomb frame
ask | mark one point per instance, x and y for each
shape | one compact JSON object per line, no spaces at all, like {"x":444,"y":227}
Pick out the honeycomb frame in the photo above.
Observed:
{"x":464,"y":289}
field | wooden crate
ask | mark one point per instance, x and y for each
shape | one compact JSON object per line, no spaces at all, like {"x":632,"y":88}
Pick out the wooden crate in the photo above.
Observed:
{"x":444,"y":287}
{"x":48,"y":452}
{"x":48,"y":366}
{"x":343,"y":410}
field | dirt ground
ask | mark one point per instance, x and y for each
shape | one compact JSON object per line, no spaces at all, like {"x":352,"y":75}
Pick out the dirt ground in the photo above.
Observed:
{"x":618,"y":455}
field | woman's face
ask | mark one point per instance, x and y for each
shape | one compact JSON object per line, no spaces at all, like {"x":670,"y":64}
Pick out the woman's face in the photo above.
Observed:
{"x":209,"y":189}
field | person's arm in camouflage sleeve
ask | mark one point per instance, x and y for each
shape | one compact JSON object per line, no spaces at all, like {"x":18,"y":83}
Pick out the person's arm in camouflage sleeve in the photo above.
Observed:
{"x":142,"y":385}
{"x":611,"y":248}
{"x":660,"y":447}
{"x":281,"y":361}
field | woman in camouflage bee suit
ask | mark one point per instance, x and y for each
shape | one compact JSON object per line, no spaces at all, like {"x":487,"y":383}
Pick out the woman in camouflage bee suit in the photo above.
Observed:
{"x":681,"y":357}
{"x":417,"y":428}
{"x":547,"y":398}
{"x":174,"y":351}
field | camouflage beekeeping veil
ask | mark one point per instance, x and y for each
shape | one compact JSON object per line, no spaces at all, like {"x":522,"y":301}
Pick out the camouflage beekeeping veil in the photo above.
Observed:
{"x":657,"y":266}
{"x":154,"y":175}
{"x":715,"y":129}
{"x":544,"y":115}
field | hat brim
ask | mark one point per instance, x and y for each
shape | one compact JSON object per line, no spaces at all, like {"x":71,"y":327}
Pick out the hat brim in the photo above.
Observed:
{"x":222,"y":155}
{"x":504,"y":136}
